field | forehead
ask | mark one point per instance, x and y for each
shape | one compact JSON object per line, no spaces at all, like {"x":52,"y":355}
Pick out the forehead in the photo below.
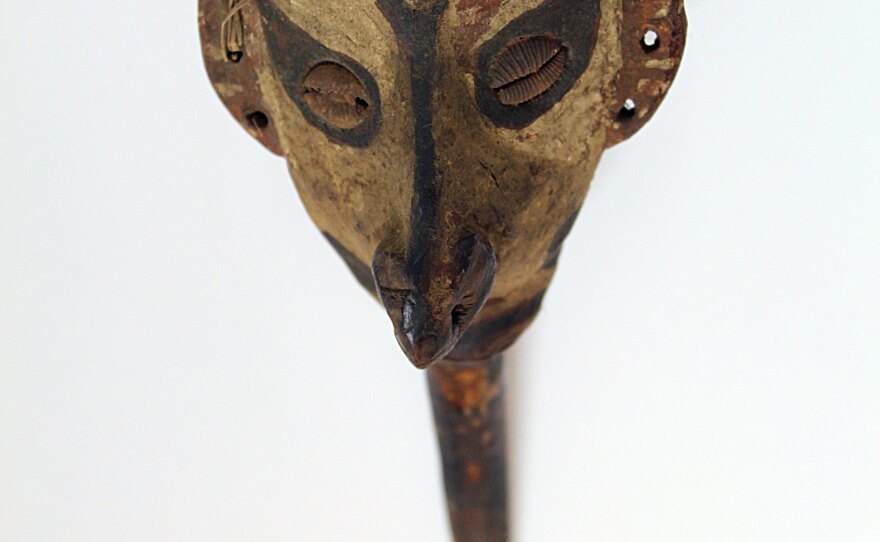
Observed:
{"x":360,"y":7}
{"x":357,"y":21}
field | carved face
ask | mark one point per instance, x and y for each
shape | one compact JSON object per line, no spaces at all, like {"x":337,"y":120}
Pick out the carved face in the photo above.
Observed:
{"x":444,"y":147}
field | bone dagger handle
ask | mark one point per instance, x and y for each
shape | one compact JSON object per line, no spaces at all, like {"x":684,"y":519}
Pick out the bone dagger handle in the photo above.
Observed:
{"x":468,"y":403}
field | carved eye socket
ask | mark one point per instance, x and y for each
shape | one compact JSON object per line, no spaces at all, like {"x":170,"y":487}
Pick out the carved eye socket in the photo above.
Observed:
{"x":336,"y":95}
{"x":530,"y":65}
{"x":334,"y":92}
{"x":527,"y":68}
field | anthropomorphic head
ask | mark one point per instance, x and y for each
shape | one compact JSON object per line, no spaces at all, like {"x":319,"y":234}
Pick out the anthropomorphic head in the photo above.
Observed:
{"x":444,"y":147}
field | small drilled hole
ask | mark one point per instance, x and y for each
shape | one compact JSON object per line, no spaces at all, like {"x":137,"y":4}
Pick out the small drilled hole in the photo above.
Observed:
{"x":258,"y":120}
{"x":650,"y":41}
{"x":234,"y":56}
{"x":628,"y":111}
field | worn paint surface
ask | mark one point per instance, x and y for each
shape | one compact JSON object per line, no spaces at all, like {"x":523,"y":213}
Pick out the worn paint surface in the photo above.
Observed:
{"x":424,"y":157}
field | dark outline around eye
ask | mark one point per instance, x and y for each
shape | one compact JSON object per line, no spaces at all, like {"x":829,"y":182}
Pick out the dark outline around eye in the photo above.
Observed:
{"x":574,"y":23}
{"x":294,"y":53}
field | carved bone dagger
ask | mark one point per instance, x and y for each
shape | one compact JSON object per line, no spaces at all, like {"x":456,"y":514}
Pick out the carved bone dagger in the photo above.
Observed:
{"x":444,"y":149}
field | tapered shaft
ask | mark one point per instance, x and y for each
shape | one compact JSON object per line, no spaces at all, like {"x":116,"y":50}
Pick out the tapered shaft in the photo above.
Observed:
{"x":468,"y":403}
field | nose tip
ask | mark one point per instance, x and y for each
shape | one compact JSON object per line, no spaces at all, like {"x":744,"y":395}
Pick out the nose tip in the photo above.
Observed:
{"x":423,"y":351}
{"x":432,"y":304}
{"x":423,"y":337}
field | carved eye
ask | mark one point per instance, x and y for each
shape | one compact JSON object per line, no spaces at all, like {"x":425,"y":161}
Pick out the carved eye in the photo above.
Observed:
{"x":527,"y":68}
{"x":334,"y":92}
{"x":530,"y":65}
{"x":336,"y":95}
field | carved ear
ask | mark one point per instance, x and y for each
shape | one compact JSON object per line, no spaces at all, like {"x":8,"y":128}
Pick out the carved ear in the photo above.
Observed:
{"x":230,"y":31}
{"x":653,"y":38}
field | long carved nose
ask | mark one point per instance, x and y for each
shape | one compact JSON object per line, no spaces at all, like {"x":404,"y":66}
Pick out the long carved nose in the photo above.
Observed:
{"x":432,"y":304}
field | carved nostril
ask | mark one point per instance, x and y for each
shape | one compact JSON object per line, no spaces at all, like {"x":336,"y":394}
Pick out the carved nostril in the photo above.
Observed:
{"x":460,"y":314}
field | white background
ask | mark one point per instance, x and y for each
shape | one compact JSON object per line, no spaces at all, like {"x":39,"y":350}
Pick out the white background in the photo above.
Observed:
{"x":183,"y":357}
